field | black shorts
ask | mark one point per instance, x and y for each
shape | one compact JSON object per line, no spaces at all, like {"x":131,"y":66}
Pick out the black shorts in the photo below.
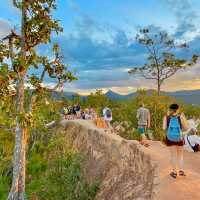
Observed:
{"x":172,"y":143}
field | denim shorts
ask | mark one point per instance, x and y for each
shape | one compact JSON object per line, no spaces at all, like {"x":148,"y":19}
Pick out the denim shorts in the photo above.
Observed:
{"x":141,"y":129}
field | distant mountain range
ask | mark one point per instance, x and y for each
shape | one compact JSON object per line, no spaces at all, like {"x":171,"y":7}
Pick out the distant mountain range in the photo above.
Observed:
{"x":188,"y":96}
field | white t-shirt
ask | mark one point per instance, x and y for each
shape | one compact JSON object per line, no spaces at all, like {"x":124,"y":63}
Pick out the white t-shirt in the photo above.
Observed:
{"x":142,"y":116}
{"x":193,"y":139}
{"x":192,"y":125}
{"x":104,"y":114}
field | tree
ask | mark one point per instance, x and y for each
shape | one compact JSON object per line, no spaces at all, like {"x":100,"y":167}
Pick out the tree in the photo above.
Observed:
{"x":97,"y":100}
{"x":162,"y":60}
{"x":37,"y":26}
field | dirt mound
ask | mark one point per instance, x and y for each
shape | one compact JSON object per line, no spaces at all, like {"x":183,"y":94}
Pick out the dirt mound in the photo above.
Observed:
{"x":128,"y":171}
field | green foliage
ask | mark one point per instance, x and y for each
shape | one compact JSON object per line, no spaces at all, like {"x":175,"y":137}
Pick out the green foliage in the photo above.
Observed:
{"x":130,"y":135}
{"x":158,"y":106}
{"x":162,"y":62}
{"x":97,"y":101}
{"x":4,"y":187}
{"x":55,"y":173}
{"x":18,"y":55}
{"x":53,"y":167}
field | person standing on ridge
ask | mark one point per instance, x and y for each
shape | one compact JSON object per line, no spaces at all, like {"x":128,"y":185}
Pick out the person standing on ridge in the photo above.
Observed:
{"x":107,"y":115}
{"x":174,"y":124}
{"x":144,"y":120}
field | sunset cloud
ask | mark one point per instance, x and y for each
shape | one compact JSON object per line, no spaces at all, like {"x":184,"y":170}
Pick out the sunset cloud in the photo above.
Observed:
{"x":99,"y":43}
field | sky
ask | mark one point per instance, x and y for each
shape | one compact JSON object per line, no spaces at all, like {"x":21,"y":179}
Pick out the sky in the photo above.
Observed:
{"x":98,"y":41}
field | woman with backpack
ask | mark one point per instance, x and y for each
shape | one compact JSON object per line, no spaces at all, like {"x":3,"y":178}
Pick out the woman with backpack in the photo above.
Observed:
{"x":174,"y":124}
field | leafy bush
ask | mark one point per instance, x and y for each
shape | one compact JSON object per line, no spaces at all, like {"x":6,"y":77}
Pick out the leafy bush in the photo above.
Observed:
{"x":54,"y":172}
{"x":53,"y":167}
{"x":158,"y":106}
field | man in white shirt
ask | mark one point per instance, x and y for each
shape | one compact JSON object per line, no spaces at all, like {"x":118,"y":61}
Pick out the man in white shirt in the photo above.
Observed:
{"x":107,"y":115}
{"x":143,"y":117}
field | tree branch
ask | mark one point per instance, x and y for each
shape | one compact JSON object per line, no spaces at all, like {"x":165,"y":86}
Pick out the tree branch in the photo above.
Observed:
{"x":43,"y":74}
{"x":148,"y":77}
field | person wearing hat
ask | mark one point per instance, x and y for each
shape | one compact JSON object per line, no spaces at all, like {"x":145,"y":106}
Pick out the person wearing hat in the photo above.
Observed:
{"x":173,"y":124}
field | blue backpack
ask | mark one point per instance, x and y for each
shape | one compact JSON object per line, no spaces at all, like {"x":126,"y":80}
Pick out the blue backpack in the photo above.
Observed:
{"x":174,"y":128}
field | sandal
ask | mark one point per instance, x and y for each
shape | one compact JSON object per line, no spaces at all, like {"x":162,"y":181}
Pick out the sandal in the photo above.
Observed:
{"x":173,"y":174}
{"x":146,"y":145}
{"x":182,"y":173}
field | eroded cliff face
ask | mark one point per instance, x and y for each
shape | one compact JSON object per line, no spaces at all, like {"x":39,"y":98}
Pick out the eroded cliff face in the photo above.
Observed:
{"x":124,"y":168}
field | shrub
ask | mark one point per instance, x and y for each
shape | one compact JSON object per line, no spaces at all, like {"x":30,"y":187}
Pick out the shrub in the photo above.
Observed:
{"x":55,"y":173}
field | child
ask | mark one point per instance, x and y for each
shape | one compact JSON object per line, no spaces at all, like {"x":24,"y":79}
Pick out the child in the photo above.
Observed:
{"x":173,"y":123}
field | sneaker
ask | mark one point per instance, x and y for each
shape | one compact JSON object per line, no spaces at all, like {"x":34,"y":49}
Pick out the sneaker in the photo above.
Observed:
{"x":182,"y":173}
{"x":173,"y":174}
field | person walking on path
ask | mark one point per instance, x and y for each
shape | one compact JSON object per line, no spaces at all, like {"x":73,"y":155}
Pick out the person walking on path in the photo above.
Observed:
{"x":144,"y":120}
{"x":174,"y":124}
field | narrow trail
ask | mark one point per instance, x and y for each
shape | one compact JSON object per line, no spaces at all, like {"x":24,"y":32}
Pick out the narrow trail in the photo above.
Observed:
{"x":130,"y":171}
{"x":182,"y":188}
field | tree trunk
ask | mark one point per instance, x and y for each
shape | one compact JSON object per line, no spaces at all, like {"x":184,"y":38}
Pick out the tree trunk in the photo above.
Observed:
{"x":17,"y":191}
{"x":158,"y":87}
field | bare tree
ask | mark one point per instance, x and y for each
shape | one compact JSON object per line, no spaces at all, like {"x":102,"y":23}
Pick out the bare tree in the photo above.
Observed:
{"x":162,"y":60}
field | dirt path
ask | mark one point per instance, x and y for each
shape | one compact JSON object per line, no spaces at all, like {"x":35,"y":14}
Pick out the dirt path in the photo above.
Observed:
{"x":106,"y":151}
{"x":183,"y":188}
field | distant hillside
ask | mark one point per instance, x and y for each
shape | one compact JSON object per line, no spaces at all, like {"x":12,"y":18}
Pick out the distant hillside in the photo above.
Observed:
{"x":69,"y":95}
{"x":115,"y":96}
{"x":190,"y":97}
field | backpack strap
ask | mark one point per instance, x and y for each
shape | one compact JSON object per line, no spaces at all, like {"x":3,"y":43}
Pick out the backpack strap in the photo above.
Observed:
{"x":190,"y":143}
{"x":168,"y":121}
{"x":179,"y":119}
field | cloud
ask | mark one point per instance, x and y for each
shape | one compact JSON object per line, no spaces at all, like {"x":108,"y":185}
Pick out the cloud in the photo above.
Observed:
{"x":185,"y":15}
{"x":188,"y":79}
{"x":104,"y":64}
{"x":87,"y":53}
{"x":102,"y":53}
{"x":4,"y":28}
{"x":85,"y":25}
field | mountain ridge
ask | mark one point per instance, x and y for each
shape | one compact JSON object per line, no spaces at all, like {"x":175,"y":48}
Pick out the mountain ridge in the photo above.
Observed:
{"x":187,"y":96}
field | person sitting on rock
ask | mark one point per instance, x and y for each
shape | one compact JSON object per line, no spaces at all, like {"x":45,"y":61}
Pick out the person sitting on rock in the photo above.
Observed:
{"x":82,"y":114}
{"x":65,"y":112}
{"x":88,"y":116}
{"x":78,"y":111}
{"x":192,"y":142}
{"x":192,"y":125}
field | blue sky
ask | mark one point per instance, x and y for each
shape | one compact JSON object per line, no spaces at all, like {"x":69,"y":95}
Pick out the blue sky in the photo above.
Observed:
{"x":98,"y":41}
